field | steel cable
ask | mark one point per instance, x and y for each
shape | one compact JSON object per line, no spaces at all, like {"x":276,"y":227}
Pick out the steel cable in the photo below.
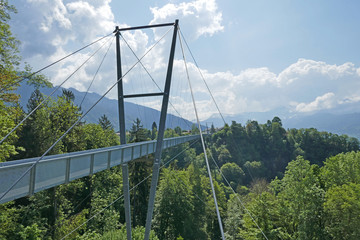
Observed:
{"x":96,"y":73}
{"x":133,"y":52}
{"x":117,"y":199}
{"x":48,"y":97}
{"x":203,"y":145}
{"x":67,"y":131}
{"x":57,"y":61}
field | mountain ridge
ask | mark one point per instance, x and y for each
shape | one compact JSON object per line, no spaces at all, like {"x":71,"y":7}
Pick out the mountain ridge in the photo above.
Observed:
{"x":335,"y":122}
{"x":109,"y":107}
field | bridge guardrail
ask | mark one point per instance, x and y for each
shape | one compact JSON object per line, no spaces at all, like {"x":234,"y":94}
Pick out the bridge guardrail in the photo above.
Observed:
{"x":62,"y":168}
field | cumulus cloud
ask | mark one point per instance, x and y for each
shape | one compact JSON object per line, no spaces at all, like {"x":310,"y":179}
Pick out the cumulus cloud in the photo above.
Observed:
{"x":200,"y":17}
{"x":325,"y":101}
{"x":305,"y":86}
{"x":55,"y":28}
{"x":49,"y":30}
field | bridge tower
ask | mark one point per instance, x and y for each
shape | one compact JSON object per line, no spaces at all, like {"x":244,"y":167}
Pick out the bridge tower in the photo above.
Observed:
{"x":165,"y":94}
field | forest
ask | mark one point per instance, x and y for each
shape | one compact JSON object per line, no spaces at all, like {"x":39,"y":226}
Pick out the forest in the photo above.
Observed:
{"x":270,"y":182}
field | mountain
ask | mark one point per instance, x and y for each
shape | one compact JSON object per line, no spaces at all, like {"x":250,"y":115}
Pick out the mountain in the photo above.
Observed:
{"x":261,"y":117}
{"x":347,"y":123}
{"x":109,"y":107}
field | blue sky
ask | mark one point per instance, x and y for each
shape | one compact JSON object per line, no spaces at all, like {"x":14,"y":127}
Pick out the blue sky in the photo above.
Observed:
{"x":257,"y":56}
{"x":274,"y":34}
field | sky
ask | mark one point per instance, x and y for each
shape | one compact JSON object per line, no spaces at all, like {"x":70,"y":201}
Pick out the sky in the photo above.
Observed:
{"x":296,"y":56}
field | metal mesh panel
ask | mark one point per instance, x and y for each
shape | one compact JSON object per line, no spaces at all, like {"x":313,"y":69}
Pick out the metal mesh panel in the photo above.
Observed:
{"x":8,"y":176}
{"x":49,"y":174}
{"x":79,"y":167}
{"x":100,"y":161}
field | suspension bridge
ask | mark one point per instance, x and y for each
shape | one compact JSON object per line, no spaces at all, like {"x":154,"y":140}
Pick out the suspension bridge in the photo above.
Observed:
{"x":25,"y":177}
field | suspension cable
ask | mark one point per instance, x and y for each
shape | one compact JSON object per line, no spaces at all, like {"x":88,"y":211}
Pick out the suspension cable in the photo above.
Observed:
{"x":57,"y":61}
{"x":96,"y":72}
{"x":212,"y":96}
{"x":203,"y":144}
{"x":121,"y":196}
{"x":48,"y":97}
{"x":67,"y":131}
{"x":242,"y":204}
{"x":133,"y":52}
{"x":202,"y":76}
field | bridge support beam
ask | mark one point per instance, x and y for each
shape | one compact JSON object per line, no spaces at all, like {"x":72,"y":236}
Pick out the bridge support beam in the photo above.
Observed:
{"x":157,"y":161}
{"x":125,"y":170}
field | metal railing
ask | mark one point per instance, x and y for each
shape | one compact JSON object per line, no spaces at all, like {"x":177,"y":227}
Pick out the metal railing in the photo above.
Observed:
{"x":62,"y":168}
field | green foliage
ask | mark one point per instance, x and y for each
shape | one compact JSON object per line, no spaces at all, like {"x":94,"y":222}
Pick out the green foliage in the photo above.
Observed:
{"x":105,"y":123}
{"x":341,"y":169}
{"x":106,"y":187}
{"x":173,"y":206}
{"x":48,"y":123}
{"x":199,"y":208}
{"x":7,"y":123}
{"x":305,"y":201}
{"x":139,"y":170}
{"x":9,"y":59}
{"x":233,"y":173}
{"x":95,"y":136}
{"x":264,"y":150}
{"x":10,"y":112}
{"x":69,"y":224}
{"x":194,"y":129}
{"x":178,"y":131}
{"x":301,"y":198}
{"x":137,"y":233}
{"x":343,"y":210}
{"x":9,"y":44}
{"x":212,"y":129}
{"x":234,"y":218}
{"x":137,"y":132}
{"x":264,"y":209}
{"x":212,"y":225}
{"x":317,"y":146}
{"x":169,"y":133}
{"x":153,"y":131}
{"x":223,"y":154}
{"x":31,"y":233}
{"x":9,"y":217}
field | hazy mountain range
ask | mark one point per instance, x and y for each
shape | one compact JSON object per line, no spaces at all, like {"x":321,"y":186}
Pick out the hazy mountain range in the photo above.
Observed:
{"x":345,"y":120}
{"x":109,"y":107}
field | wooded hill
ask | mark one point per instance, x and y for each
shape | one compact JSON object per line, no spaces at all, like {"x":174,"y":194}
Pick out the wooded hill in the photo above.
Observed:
{"x":288,"y":197}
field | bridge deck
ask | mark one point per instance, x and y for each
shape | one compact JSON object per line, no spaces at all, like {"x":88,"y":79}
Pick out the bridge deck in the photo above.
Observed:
{"x":59,"y":169}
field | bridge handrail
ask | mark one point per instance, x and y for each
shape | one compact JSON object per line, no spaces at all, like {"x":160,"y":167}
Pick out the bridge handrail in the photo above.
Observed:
{"x":58,"y":169}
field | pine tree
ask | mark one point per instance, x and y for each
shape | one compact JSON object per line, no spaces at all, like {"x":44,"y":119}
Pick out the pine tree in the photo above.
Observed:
{"x":105,"y":123}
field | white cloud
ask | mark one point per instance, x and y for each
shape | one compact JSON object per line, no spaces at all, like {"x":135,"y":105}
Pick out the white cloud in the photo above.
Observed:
{"x":56,"y":15}
{"x":304,"y":86}
{"x":201,"y":17}
{"x":325,"y":101}
{"x":54,"y":29}
{"x":57,"y":28}
{"x":358,"y":71}
{"x":306,"y":67}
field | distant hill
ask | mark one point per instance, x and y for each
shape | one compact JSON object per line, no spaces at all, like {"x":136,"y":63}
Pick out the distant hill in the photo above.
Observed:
{"x":337,"y":122}
{"x":109,"y":107}
{"x":348,"y":123}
